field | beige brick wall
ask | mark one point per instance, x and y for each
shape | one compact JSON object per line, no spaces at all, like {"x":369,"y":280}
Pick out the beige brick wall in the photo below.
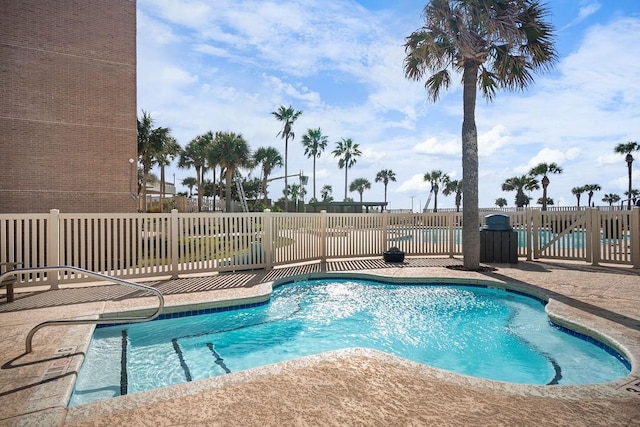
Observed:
{"x":67,"y":105}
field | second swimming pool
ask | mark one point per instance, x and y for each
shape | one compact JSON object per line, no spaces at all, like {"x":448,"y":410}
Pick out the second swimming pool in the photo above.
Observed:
{"x":478,"y":331}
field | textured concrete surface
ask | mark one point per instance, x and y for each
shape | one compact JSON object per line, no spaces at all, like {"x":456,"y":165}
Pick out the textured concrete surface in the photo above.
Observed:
{"x":342,"y":388}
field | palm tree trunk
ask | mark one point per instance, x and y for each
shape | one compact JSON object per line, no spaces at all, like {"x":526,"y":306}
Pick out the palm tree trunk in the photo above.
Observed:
{"x":213,"y":185}
{"x":199,"y":179}
{"x":629,"y":201}
{"x":264,"y":190}
{"x":286,"y":171}
{"x":227,"y":196}
{"x":470,"y":224}
{"x":385,"y":198}
{"x":314,"y":178}
{"x":161,"y":188}
{"x":345,"y":182}
{"x":144,"y":188}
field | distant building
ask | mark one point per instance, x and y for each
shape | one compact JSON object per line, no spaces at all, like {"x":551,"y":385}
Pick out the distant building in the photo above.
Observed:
{"x":68,"y":106}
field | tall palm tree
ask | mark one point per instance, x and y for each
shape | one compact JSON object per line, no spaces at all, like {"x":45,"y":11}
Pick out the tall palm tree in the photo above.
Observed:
{"x":168,"y":152}
{"x":232,"y":152}
{"x":543,"y":169}
{"x":359,"y":185}
{"x":494,"y":45}
{"x":269,"y":158}
{"x":195,"y":155}
{"x":190,"y":182}
{"x":314,"y":143}
{"x":577,"y":191}
{"x":436,"y":178}
{"x":611,"y":198}
{"x":501,"y":202}
{"x":348,"y":151}
{"x":520,"y":184}
{"x":591,"y":188}
{"x":150,"y":141}
{"x":326,"y":192}
{"x":627,"y":149}
{"x":287,"y":116}
{"x":385,"y":175}
{"x":454,"y":187}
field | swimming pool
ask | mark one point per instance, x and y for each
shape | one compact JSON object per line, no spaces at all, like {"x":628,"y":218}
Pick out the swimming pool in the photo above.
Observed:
{"x":479,"y":331}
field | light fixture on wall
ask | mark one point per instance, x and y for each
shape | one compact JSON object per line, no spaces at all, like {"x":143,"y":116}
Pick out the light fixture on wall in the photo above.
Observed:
{"x":131,"y":193}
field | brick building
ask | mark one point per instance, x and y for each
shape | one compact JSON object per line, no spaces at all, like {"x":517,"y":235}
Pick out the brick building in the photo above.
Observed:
{"x":67,"y":106}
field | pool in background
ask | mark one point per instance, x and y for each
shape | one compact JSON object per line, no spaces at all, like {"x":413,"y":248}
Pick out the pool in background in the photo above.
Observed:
{"x":484,"y":332}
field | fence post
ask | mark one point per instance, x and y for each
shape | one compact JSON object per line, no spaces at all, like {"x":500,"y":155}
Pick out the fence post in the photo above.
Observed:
{"x":634,"y":237}
{"x":592,"y":239}
{"x":267,"y":239}
{"x":175,"y":255}
{"x":534,"y":234}
{"x":323,"y":239}
{"x":53,"y":247}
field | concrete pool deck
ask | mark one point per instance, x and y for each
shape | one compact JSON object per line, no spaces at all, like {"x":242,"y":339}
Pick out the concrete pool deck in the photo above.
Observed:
{"x":341,"y":388}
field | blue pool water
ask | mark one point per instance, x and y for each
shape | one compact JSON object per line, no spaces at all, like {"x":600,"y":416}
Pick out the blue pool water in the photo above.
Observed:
{"x":484,"y":332}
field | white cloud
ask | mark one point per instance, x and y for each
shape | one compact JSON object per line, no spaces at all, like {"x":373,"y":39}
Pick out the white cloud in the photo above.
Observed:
{"x":549,"y":155}
{"x":490,"y":142}
{"x":414,"y":185}
{"x":433,"y":146}
{"x":583,"y":13}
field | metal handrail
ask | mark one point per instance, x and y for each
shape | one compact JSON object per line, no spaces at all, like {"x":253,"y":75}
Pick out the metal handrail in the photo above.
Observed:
{"x":28,"y":344}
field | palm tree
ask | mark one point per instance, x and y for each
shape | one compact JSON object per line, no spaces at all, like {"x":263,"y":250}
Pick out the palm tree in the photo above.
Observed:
{"x":494,"y":45}
{"x":520,"y":184}
{"x":190,"y":182}
{"x":326,"y":192}
{"x":591,"y":188}
{"x":436,"y":178}
{"x":288,"y":116}
{"x":150,"y":143}
{"x":543,"y":169}
{"x":385,"y":175}
{"x":232,"y":152}
{"x":348,"y":151}
{"x":577,"y":191}
{"x":627,"y":149}
{"x":168,"y":152}
{"x":295,"y":192}
{"x":195,"y":155}
{"x":632,"y":195}
{"x":548,"y":201}
{"x":359,"y":185}
{"x":501,"y":202}
{"x":452,"y":187}
{"x":269,"y":158}
{"x":314,"y":143}
{"x":611,"y":198}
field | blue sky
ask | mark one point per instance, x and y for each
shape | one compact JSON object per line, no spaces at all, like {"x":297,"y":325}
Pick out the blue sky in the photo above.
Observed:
{"x":225,"y":65}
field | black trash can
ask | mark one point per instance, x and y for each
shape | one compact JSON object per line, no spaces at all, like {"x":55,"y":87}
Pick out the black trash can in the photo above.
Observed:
{"x":498,"y":241}
{"x":393,"y":255}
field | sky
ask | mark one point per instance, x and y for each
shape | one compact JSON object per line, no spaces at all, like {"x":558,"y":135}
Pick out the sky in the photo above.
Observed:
{"x":225,"y":65}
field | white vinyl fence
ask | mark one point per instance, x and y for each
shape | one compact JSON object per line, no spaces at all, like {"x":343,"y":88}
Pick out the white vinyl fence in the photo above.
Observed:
{"x":155,"y":245}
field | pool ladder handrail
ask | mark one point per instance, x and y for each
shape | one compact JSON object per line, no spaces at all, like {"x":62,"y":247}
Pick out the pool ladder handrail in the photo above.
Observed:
{"x":32,"y":332}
